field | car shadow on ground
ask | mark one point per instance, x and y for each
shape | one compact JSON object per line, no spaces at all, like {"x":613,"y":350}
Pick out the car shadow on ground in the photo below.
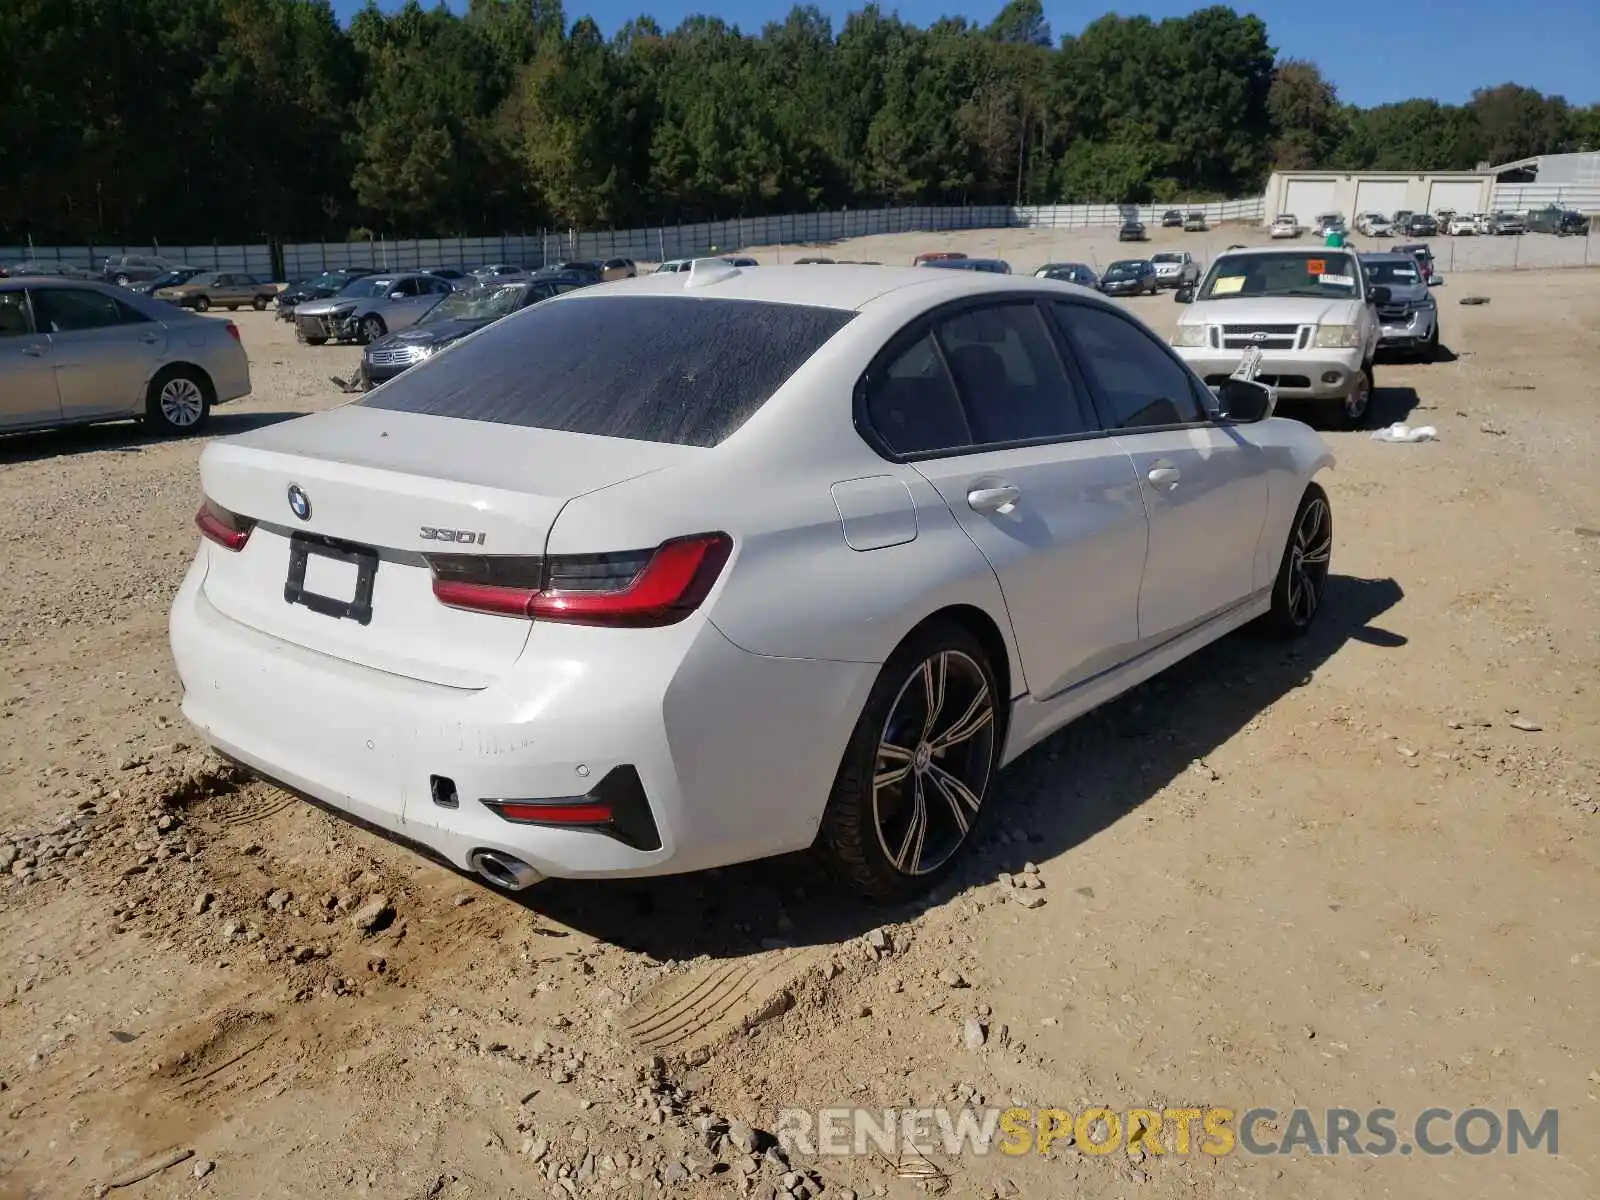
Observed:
{"x":125,"y":436}
{"x":1061,"y":793}
{"x":1391,"y":404}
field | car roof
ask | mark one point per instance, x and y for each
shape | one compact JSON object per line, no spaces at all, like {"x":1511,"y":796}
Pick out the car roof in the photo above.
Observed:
{"x":1265,"y":251}
{"x":848,"y":287}
{"x":1379,"y":256}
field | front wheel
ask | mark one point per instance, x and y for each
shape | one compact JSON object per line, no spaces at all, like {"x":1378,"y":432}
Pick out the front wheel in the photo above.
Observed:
{"x":179,"y":401}
{"x":1302,"y":581}
{"x":201,"y":303}
{"x":372,"y":328}
{"x":918,"y":767}
{"x":1354,"y":407}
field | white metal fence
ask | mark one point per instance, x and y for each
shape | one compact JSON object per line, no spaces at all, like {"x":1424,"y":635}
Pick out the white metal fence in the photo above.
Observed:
{"x":687,"y":241}
{"x":300,"y":260}
{"x":257,"y":260}
{"x":1521,"y":197}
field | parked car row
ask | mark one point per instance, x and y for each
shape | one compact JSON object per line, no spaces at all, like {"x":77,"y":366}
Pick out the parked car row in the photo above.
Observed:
{"x":1406,"y":223}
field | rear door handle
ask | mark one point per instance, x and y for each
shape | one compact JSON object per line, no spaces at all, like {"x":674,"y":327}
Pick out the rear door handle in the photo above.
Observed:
{"x":1164,"y":476}
{"x":993,"y":499}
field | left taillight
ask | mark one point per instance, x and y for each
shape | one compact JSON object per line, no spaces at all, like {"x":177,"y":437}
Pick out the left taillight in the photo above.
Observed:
{"x":233,"y":330}
{"x":635,"y":588}
{"x":227,"y":529}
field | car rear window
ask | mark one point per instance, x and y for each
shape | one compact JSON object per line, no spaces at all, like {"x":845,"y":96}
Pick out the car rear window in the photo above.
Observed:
{"x":685,"y":370}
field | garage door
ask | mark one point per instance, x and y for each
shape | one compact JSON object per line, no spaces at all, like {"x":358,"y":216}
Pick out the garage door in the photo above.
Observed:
{"x":1458,"y":195}
{"x":1386,"y":196}
{"x":1305,"y":198}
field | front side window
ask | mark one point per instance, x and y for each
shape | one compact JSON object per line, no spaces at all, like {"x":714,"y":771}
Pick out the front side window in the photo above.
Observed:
{"x":1134,"y":375}
{"x":1009,"y":376}
{"x":676,"y":369}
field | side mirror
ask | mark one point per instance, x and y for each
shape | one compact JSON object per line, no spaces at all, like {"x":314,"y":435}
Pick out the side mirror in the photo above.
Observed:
{"x":1244,"y":402}
{"x":1378,"y":295}
{"x":397,"y":295}
{"x":1184,"y":295}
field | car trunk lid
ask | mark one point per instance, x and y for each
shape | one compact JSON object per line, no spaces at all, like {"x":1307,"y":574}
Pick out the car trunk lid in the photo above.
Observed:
{"x":379,"y":489}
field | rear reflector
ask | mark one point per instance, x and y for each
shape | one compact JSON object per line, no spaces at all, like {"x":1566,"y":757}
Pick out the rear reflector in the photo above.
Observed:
{"x":574,"y":813}
{"x":634,"y":588}
{"x":227,"y":529}
{"x":616,"y":807}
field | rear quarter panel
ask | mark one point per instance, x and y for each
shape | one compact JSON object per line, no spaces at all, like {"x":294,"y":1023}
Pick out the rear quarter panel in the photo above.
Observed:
{"x":794,"y":588}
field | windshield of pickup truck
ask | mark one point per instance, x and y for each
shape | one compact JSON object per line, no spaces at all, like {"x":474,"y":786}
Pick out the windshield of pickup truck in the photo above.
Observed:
{"x":1320,"y":274}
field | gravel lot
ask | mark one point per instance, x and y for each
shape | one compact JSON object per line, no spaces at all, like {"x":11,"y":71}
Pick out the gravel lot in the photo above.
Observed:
{"x":1359,"y":872}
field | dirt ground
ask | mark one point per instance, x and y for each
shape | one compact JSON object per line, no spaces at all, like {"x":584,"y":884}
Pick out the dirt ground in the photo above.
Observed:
{"x":1338,"y":874}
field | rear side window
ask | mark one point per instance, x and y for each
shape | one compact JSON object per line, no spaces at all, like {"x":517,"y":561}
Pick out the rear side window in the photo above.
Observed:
{"x":71,"y":310}
{"x":1009,"y":375}
{"x":912,"y":403}
{"x":14,"y":320}
{"x":674,"y":369}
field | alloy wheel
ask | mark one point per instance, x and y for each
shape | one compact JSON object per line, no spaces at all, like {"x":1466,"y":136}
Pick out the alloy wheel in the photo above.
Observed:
{"x":1309,"y":555}
{"x":1355,"y":404}
{"x":934,"y":759}
{"x":182,"y":402}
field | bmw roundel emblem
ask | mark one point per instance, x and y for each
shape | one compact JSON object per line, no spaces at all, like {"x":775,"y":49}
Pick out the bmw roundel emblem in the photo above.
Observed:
{"x":299,"y":502}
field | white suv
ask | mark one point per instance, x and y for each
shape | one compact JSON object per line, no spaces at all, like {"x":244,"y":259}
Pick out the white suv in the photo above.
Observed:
{"x":1311,"y":313}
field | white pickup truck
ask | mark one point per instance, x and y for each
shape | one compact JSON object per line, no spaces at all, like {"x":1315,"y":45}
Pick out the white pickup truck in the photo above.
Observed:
{"x":1311,"y":312}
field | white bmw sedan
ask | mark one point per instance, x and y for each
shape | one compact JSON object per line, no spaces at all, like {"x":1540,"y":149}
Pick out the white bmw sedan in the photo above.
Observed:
{"x":701,"y":567}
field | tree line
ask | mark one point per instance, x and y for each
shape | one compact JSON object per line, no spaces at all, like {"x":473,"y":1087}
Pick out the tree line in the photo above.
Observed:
{"x":239,"y":120}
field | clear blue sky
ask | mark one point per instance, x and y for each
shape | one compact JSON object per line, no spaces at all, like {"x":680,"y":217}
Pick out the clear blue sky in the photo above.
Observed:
{"x":1373,"y":53}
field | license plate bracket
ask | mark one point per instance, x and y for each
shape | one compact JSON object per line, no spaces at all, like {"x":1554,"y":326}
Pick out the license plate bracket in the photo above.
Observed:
{"x":359,"y":607}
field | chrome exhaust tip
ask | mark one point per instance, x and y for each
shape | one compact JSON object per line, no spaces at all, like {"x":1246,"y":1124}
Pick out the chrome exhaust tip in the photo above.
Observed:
{"x":504,"y":872}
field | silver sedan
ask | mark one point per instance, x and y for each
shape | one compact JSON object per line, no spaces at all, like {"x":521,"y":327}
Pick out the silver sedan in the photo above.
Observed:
{"x":74,"y":352}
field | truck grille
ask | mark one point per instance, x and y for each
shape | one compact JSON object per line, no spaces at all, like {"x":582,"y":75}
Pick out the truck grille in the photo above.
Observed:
{"x":1268,"y":337}
{"x":1394,"y":314}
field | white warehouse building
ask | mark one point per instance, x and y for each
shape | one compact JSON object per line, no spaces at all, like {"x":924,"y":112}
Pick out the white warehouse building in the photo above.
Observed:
{"x":1307,"y":194}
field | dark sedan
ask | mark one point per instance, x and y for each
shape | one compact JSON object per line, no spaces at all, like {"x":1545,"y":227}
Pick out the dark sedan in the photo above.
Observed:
{"x":1130,"y":277}
{"x":323,"y":287}
{"x":1081,"y":274}
{"x":1131,"y":231}
{"x":456,"y":316}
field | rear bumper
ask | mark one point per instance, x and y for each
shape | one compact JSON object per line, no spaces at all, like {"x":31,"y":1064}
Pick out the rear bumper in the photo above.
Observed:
{"x":736,"y":752}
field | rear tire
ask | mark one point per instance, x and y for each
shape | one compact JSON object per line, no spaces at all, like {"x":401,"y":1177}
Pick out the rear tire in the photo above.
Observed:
{"x":1302,"y":582}
{"x":259,"y":304}
{"x":179,"y":401}
{"x":316,"y":341}
{"x":918,"y":767}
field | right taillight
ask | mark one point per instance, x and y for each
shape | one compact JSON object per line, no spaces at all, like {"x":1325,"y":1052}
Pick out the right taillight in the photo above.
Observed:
{"x":632,"y":588}
{"x":227,"y":529}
